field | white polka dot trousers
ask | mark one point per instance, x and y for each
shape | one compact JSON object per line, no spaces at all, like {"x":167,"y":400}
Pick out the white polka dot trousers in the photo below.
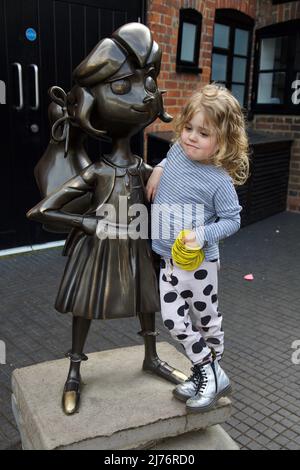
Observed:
{"x":189,"y":308}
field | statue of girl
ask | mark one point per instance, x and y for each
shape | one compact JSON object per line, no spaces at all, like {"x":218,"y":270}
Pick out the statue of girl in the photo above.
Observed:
{"x":115,"y":95}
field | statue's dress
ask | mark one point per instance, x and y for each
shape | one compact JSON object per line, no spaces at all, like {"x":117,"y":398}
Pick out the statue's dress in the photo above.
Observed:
{"x":109,"y":278}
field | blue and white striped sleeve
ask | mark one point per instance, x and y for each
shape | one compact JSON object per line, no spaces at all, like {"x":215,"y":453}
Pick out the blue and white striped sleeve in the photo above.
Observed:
{"x":162,"y":163}
{"x":227,"y":210}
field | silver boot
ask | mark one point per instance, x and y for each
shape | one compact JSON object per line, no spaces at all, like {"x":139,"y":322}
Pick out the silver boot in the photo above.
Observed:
{"x":190,"y":387}
{"x":214,"y":385}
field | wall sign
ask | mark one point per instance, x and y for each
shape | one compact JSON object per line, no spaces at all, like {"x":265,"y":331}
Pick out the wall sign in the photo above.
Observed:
{"x":31,"y":34}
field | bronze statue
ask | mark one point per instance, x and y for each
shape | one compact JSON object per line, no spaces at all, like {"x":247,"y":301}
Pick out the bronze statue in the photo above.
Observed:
{"x":115,"y":96}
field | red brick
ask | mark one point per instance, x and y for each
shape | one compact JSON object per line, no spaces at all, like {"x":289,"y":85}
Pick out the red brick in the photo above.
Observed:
{"x":162,"y":8}
{"x":170,"y":102}
{"x":264,"y":125}
{"x":281,"y":127}
{"x":170,"y":84}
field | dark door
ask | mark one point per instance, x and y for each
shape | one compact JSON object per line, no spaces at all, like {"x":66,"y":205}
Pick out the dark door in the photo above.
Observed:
{"x":41,"y":42}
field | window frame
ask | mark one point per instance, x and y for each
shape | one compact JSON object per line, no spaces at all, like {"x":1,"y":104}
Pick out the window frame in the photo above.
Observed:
{"x":289,"y":29}
{"x":235,"y":20}
{"x":192,"y":16}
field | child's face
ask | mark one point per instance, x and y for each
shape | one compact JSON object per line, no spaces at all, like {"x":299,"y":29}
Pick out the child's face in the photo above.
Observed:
{"x":198,"y":140}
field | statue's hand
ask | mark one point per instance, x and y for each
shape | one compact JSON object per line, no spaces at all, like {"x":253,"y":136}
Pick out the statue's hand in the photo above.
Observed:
{"x":89,"y":225}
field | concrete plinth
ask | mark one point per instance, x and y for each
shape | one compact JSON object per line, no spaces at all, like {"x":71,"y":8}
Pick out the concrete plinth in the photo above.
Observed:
{"x":212,"y":438}
{"x":122,"y":407}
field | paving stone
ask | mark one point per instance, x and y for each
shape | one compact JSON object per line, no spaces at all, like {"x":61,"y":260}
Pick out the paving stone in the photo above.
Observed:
{"x":243,"y":427}
{"x":292,"y":445}
{"x":244,"y":440}
{"x":258,"y":426}
{"x":287,"y":423}
{"x":252,"y":433}
{"x":290,"y":434}
{"x":263,"y":440}
{"x":270,"y":433}
{"x":283,"y":441}
{"x":4,"y":443}
{"x":234,"y":433}
{"x":274,"y":446}
{"x":253,"y":445}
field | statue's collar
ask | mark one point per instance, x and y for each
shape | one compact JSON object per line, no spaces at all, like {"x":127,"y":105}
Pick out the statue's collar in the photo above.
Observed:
{"x":121,"y":170}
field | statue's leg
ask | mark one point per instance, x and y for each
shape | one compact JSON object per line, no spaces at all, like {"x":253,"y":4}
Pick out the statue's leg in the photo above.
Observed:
{"x":152,"y":363}
{"x":71,"y":394}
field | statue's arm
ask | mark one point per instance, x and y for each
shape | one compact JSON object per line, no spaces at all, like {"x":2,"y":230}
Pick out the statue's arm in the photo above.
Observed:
{"x":50,"y":209}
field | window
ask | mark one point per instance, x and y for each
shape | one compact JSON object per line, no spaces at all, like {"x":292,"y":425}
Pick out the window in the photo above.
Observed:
{"x":188,"y":45}
{"x":277,"y":68}
{"x":231,"y":52}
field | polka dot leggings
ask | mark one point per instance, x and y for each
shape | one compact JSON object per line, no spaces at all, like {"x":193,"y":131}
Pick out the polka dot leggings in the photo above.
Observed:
{"x":189,"y":308}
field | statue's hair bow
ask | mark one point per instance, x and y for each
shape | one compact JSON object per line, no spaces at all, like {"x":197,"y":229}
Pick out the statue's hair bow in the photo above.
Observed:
{"x":61,"y":128}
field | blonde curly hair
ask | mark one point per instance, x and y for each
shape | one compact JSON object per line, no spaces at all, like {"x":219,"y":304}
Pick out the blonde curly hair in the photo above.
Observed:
{"x":223,"y":112}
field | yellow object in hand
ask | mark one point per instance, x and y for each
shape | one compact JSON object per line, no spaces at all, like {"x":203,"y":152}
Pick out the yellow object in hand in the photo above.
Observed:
{"x":184,"y":257}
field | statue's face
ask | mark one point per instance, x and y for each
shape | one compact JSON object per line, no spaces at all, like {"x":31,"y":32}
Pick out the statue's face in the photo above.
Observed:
{"x":127,"y":102}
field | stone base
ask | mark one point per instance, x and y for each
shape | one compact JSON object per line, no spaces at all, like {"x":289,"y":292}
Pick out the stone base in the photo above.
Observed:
{"x":212,"y":438}
{"x":122,"y":407}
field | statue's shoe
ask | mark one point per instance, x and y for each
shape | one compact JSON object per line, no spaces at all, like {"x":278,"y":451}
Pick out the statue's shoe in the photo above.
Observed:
{"x":71,"y":396}
{"x":163,"y":369}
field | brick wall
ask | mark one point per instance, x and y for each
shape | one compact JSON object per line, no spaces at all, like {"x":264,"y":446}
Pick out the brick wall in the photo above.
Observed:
{"x":267,"y":14}
{"x":163,"y":19}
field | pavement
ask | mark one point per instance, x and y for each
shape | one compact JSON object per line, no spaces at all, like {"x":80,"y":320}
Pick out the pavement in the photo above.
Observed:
{"x":261,"y":324}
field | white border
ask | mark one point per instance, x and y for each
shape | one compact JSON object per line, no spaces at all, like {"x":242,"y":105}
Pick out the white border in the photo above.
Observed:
{"x":25,"y":249}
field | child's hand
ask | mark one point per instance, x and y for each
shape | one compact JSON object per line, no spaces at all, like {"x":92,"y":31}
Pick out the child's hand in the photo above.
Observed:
{"x":153,"y":182}
{"x":190,"y":240}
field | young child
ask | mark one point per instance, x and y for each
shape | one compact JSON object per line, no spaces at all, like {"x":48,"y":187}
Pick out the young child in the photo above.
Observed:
{"x":209,"y":156}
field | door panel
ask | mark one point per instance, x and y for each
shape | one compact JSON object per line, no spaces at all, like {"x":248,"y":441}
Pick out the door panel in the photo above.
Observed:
{"x":6,"y":192}
{"x":66,"y":30}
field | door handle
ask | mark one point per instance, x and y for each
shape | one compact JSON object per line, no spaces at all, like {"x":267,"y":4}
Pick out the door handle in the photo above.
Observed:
{"x":20,"y":84}
{"x":36,"y":87}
